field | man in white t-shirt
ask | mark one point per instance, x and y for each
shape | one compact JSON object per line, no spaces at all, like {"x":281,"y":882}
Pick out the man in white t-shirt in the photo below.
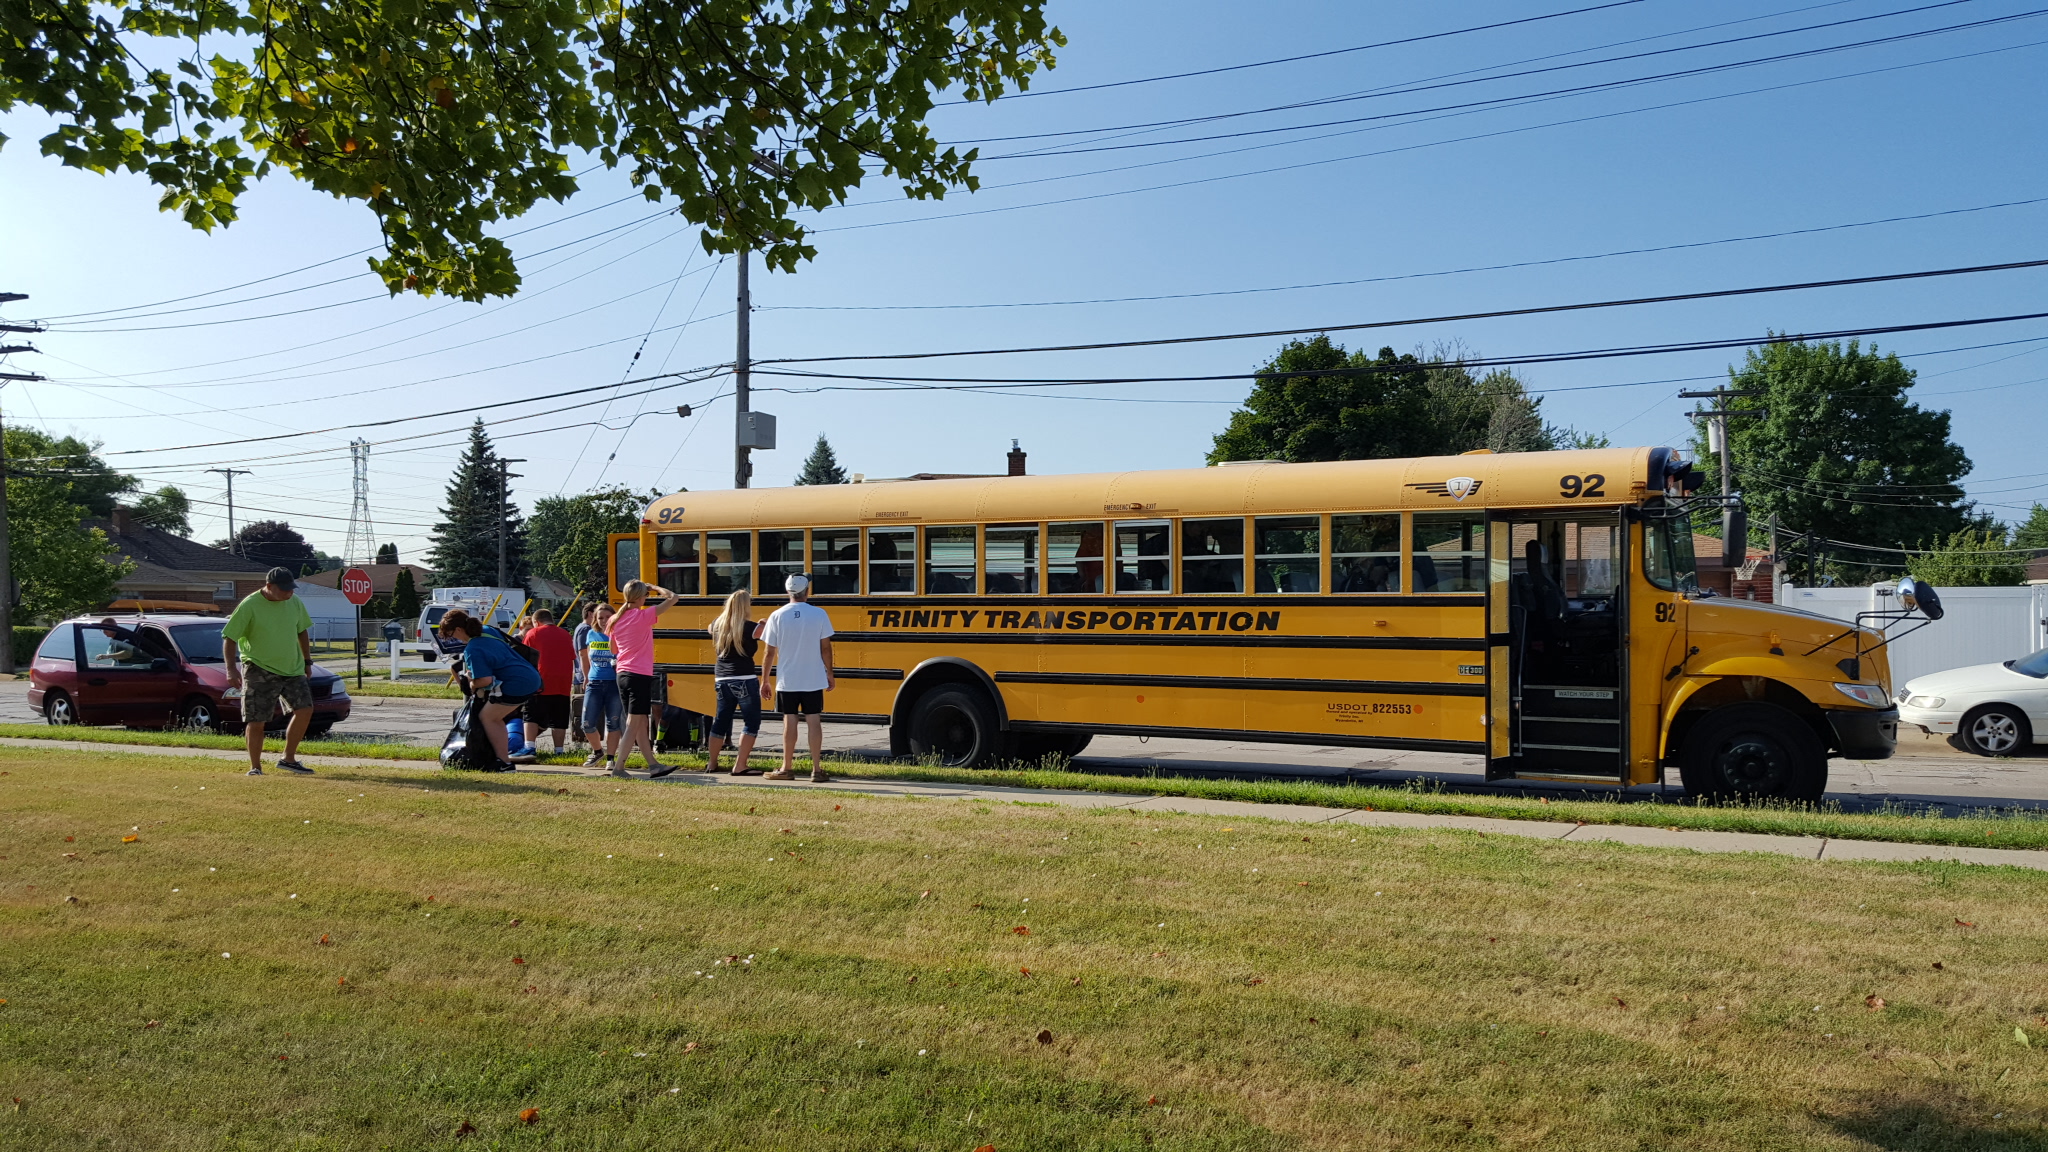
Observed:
{"x":798,"y":659}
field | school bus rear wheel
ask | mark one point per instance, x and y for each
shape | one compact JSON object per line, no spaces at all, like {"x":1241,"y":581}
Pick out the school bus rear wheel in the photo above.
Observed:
{"x":957,"y":725}
{"x":1753,"y":751}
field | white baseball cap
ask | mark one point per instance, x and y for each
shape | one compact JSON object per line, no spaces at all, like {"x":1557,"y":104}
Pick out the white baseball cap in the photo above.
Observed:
{"x":797,"y":582}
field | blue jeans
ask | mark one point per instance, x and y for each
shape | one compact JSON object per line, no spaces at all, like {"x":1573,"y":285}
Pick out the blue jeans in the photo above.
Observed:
{"x":742,"y":696}
{"x":603,"y":709}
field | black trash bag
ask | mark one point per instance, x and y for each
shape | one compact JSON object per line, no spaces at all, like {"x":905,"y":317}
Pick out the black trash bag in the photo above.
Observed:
{"x":467,"y":745}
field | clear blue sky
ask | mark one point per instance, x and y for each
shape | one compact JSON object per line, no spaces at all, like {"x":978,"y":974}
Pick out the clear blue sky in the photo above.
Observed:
{"x":1920,"y":125}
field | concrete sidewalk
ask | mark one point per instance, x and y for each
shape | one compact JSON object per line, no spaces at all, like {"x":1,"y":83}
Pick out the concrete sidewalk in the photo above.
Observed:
{"x":1805,"y":847}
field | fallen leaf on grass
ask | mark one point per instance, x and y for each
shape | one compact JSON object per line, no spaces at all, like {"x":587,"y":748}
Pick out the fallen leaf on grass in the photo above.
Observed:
{"x":513,"y":924}
{"x":1077,"y":982}
{"x":67,"y":840}
{"x":986,"y":1148}
{"x":133,"y":839}
{"x":1961,"y":923}
{"x":533,"y":987}
{"x":1873,"y":1002}
{"x":71,"y":900}
{"x":923,"y":894}
{"x":1620,"y":1003}
{"x":529,"y":1116}
{"x":913,"y":980}
{"x":690,"y":1047}
{"x":1021,"y":930}
{"x":2020,"y":1034}
{"x":1937,"y":965}
{"x":1025,"y":971}
{"x":153,"y":1024}
{"x":519,"y":959}
{"x":1301,"y":883}
{"x":464,"y":1129}
{"x":1045,"y":1036}
{"x":71,"y":855}
{"x":1256,"y":980}
{"x":1151,"y":1099}
{"x":281,"y":1058}
{"x":561,"y":791}
{"x":341,"y":981}
{"x":835,"y":807}
{"x":324,"y":939}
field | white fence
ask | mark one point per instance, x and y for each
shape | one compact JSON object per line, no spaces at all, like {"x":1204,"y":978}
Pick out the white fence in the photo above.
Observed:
{"x":1982,"y":625}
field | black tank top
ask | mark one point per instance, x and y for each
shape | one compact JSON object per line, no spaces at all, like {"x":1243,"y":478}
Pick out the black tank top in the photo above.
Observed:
{"x":739,"y":661}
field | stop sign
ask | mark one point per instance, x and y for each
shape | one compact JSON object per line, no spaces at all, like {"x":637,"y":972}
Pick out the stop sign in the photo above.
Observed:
{"x":355,"y":584}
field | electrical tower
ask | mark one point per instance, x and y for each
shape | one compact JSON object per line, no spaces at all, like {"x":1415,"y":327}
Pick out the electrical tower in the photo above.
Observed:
{"x":361,"y":547}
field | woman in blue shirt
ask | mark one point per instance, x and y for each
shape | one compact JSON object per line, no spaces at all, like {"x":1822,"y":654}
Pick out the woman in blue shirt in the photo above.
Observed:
{"x":496,"y":673}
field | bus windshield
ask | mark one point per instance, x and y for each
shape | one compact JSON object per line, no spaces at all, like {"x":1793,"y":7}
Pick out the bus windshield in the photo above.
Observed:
{"x":1667,"y":553}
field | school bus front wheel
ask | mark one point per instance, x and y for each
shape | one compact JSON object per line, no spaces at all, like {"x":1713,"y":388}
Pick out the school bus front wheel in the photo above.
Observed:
{"x":1753,"y":751}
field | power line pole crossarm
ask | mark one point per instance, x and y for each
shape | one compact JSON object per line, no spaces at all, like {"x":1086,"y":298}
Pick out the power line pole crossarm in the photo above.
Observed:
{"x":234,"y":545}
{"x":1718,"y":442}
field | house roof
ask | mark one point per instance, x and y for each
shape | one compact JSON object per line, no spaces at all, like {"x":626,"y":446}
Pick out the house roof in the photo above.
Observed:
{"x":161,"y":549}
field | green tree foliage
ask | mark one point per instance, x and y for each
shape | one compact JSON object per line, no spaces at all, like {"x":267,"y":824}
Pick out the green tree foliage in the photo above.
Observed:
{"x":1842,"y":452}
{"x":822,"y":465}
{"x":167,"y":509}
{"x":2033,"y":531}
{"x":1971,"y":558}
{"x":64,"y":568}
{"x":274,"y":543}
{"x":387,"y":554}
{"x":568,"y":533}
{"x":447,"y":116}
{"x":465,"y":541}
{"x":1317,"y":401}
{"x":405,"y":596}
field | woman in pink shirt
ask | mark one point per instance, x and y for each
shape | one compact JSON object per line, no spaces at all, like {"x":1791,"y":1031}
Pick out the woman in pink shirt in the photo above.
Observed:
{"x":632,"y":634}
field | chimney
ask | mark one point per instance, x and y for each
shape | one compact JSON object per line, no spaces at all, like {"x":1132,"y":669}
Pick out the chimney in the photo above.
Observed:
{"x":1016,"y":459}
{"x":124,"y":522}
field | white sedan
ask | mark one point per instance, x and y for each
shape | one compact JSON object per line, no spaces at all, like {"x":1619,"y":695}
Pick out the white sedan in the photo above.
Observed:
{"x":1990,"y":709}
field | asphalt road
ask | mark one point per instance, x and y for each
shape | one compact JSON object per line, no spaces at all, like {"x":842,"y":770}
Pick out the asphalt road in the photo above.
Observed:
{"x":1925,"y":771}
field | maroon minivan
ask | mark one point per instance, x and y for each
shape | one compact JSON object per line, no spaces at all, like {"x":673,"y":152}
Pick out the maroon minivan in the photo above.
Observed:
{"x":152,"y":671}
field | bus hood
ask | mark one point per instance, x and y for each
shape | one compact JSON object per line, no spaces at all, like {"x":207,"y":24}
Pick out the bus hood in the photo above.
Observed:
{"x":1745,"y":626}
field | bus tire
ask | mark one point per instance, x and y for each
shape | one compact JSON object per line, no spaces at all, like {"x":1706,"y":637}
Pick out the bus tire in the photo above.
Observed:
{"x":1753,"y":751}
{"x":955,"y":724}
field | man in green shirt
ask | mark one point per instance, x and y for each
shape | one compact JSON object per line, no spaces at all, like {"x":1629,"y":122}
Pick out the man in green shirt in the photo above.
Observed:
{"x":267,"y":650}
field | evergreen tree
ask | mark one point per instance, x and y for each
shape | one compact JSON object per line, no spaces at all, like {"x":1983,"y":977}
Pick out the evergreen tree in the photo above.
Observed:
{"x":405,"y":597}
{"x":465,"y":541}
{"x":821,"y":466}
{"x":387,"y":554}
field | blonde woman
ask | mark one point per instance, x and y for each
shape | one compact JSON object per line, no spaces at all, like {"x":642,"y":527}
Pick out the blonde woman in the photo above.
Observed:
{"x":632,"y":636}
{"x":737,"y":680}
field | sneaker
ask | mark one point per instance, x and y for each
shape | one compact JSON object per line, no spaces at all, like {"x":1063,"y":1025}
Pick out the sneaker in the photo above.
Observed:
{"x":526,"y":756}
{"x":593,"y":760}
{"x":618,"y":770}
{"x":503,"y":766}
{"x":256,"y":771}
{"x":661,"y":771}
{"x":295,"y":767}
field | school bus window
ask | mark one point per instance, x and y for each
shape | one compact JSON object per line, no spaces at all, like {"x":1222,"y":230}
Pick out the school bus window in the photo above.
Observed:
{"x":729,"y":566}
{"x":1144,"y":556}
{"x":1212,"y":555}
{"x":892,"y":560}
{"x":1010,"y":559}
{"x":625,"y":562}
{"x":949,"y":560}
{"x":1667,"y":553}
{"x":782,"y":554}
{"x":835,"y":561}
{"x":1365,"y":553}
{"x":1073,"y":558}
{"x":675,"y":562}
{"x":1450,"y":552}
{"x":1290,"y":553}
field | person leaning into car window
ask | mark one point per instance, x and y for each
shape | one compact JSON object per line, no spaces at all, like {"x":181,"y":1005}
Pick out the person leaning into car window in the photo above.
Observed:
{"x":121,"y":647}
{"x":497,"y":674}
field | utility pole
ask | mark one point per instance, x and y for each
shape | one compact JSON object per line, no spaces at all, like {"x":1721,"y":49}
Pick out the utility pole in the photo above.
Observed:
{"x":234,"y":545}
{"x":7,"y":594}
{"x":504,"y":521}
{"x":1734,"y":521}
{"x":742,"y":381}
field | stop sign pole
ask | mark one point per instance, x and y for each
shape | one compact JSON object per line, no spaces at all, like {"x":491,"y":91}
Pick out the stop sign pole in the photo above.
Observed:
{"x":355,"y":584}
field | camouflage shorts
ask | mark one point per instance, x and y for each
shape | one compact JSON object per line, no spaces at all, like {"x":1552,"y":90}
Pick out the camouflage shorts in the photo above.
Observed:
{"x":262,"y":689}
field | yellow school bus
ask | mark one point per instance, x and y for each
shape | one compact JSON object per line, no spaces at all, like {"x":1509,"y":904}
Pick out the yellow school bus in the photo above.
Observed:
{"x":1539,"y":609}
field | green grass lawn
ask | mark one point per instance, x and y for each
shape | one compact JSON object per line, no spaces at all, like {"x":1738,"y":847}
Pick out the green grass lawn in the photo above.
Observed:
{"x":435,"y":687}
{"x":379,"y":959}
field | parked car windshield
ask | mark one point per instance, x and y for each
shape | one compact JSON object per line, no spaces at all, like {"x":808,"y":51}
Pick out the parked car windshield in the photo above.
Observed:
{"x":200,"y":643}
{"x":2035,"y":665}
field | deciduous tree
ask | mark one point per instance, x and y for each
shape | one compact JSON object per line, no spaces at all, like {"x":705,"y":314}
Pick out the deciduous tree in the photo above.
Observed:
{"x":272,"y":542}
{"x":567,"y":533}
{"x":445,"y":117}
{"x":1972,"y":558}
{"x":64,"y":568}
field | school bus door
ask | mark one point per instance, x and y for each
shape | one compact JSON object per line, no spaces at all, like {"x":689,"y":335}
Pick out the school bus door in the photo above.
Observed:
{"x":622,"y":562}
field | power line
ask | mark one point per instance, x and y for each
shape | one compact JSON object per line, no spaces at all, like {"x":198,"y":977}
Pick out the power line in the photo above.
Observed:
{"x":1716,"y":294}
{"x":1405,"y":276}
{"x":1316,"y":55}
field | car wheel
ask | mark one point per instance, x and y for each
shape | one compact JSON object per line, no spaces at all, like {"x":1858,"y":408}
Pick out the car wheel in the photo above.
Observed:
{"x":956,"y":725}
{"x":1750,"y":752}
{"x":58,"y":708}
{"x":1995,"y":730}
{"x":319,"y":729}
{"x":199,"y":713}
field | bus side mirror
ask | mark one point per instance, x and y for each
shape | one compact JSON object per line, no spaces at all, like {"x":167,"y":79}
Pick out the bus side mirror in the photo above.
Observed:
{"x":1919,"y":594}
{"x":1734,"y":536}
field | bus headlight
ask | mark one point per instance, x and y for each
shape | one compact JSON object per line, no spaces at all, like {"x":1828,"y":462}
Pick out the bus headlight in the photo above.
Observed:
{"x":1867,"y":694}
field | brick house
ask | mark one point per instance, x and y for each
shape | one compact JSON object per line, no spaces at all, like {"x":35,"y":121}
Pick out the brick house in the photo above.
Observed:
{"x":169,"y":567}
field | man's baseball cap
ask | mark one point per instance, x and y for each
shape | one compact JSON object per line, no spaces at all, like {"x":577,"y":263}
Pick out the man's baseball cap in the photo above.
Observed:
{"x":281,"y":578}
{"x":797,"y":582}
